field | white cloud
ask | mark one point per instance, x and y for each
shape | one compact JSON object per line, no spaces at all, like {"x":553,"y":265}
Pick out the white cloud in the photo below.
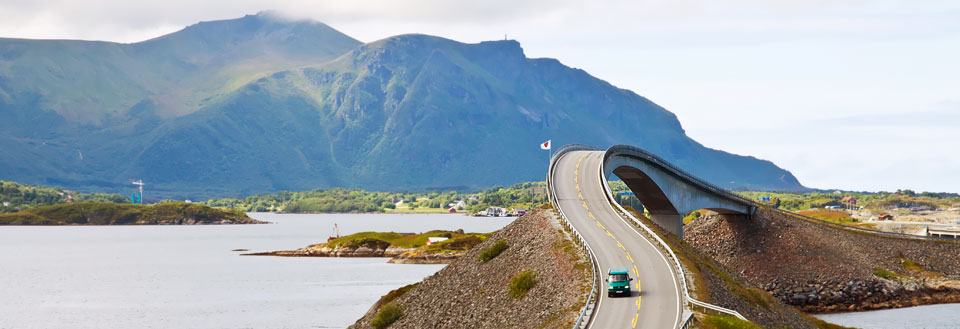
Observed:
{"x":780,"y":80}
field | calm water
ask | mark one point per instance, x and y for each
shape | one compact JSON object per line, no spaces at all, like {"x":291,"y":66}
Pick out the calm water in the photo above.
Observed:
{"x":188,"y":277}
{"x":944,"y":316}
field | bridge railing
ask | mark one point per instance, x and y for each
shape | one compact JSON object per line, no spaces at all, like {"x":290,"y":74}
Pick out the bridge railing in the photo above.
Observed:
{"x":655,"y":160}
{"x":678,"y":269}
{"x":584,"y":318}
{"x":682,"y":174}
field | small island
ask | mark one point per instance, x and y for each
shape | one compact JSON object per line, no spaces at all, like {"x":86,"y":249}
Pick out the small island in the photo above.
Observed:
{"x":433,"y":247}
{"x":107,"y":213}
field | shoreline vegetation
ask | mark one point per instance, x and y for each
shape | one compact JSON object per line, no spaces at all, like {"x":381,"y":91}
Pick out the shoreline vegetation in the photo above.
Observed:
{"x":404,"y":248}
{"x":518,"y":196}
{"x":104,"y":213}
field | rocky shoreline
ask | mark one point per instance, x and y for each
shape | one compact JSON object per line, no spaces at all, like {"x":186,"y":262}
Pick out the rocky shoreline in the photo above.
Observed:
{"x":822,"y":269}
{"x":398,"y":255}
{"x":863,"y":295}
{"x":473,"y":293}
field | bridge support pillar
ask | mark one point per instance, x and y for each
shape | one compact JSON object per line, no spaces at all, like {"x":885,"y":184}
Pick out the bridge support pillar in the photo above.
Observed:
{"x":670,"y":222}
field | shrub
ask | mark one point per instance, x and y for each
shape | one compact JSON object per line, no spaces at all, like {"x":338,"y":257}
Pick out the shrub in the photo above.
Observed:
{"x":882,"y":273}
{"x":396,"y":293}
{"x":522,"y":283}
{"x":386,"y":316}
{"x":493,"y":251}
{"x":462,"y":243}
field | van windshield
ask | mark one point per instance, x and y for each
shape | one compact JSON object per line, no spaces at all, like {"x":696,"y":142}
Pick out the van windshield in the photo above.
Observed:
{"x":618,"y":277}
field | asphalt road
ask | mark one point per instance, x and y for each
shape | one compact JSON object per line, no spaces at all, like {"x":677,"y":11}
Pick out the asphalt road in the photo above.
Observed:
{"x":655,"y":297}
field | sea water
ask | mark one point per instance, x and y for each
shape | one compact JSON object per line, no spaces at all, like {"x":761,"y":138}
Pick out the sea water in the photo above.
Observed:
{"x":189,"y":277}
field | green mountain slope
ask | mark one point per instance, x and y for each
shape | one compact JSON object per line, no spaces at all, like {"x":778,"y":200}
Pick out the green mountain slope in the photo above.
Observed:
{"x":407,"y":112}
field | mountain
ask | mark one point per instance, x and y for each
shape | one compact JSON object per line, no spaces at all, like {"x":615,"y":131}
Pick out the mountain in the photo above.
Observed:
{"x":260,"y":104}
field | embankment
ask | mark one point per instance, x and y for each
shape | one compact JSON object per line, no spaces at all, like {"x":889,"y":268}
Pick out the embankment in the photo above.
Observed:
{"x":540,"y":280}
{"x":820,"y":268}
{"x":712,"y":282}
{"x":102,"y":213}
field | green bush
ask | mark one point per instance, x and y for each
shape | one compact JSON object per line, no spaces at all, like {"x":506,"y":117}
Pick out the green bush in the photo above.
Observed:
{"x":522,"y":283}
{"x":386,"y":316}
{"x":493,"y":251}
{"x":884,"y":274}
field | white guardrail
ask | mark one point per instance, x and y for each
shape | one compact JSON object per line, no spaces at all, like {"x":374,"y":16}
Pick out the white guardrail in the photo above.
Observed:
{"x":663,"y":244}
{"x":584,"y":318}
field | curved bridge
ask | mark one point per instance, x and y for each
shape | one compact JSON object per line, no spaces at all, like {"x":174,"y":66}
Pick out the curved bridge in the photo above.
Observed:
{"x":667,"y":192}
{"x":577,"y":183}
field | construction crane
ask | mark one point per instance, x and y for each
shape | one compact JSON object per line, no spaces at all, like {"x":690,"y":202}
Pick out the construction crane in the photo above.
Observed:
{"x":137,"y":196}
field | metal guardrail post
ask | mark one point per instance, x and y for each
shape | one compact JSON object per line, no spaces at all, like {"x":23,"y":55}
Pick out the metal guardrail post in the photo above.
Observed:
{"x":583,"y":242}
{"x":663,"y":244}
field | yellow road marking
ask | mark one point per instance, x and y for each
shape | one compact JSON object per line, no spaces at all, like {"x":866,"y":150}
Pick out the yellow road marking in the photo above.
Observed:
{"x":574,"y":179}
{"x":637,"y":273}
{"x":635,"y":316}
{"x":591,"y":215}
{"x":620,"y":245}
{"x":611,"y":235}
{"x":578,"y":187}
{"x":601,"y":226}
{"x":580,"y":194}
{"x":630,"y":258}
{"x":585,"y":206}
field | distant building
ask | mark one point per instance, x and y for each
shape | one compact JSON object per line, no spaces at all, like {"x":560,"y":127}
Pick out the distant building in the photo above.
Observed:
{"x":849,"y":199}
{"x":519,"y":212}
{"x":496,"y":212}
{"x":885,"y":216}
{"x":435,"y":239}
{"x":187,"y":201}
{"x":459,"y":204}
{"x":6,"y":204}
{"x":452,"y":210}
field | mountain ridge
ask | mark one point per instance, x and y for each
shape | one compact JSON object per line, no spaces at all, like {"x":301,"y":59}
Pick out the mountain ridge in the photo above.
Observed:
{"x":406,"y":112}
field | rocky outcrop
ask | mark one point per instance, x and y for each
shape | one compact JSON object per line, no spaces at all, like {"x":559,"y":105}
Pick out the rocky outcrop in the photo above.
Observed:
{"x":820,"y":268}
{"x":343,"y":250}
{"x":419,"y":256}
{"x":858,"y":295}
{"x":470,"y":293}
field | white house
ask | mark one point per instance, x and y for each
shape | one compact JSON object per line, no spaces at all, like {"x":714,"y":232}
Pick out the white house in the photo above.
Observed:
{"x":435,"y":239}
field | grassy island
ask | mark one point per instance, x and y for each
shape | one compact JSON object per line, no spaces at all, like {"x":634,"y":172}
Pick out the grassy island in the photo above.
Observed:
{"x":106,"y":213}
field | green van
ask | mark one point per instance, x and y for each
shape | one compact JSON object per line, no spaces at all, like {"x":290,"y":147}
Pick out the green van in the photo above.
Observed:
{"x":618,"y":282}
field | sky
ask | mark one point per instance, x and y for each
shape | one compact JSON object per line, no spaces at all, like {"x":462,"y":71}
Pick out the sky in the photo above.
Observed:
{"x":846,"y":94}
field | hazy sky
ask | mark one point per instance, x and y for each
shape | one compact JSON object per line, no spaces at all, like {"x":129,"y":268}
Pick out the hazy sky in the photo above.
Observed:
{"x":861,"y":95}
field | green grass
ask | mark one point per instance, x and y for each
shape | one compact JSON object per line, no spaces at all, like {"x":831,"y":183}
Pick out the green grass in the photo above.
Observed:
{"x":691,"y":217}
{"x":396,"y":293}
{"x":826,"y":325}
{"x":885,"y":274}
{"x":387,"y":315}
{"x":910,"y":265}
{"x":493,"y":251}
{"x":409,"y":240}
{"x":522,"y":283}
{"x":724,"y":321}
{"x":103,"y":213}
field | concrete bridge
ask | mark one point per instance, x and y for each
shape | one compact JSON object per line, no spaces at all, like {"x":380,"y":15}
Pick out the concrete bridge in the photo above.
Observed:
{"x":667,"y":192}
{"x":577,"y":183}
